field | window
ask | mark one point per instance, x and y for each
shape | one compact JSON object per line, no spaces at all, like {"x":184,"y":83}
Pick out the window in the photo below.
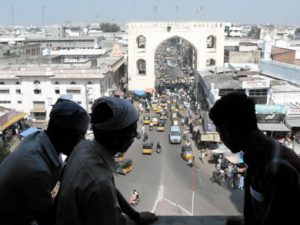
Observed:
{"x":37,"y":91}
{"x":57,"y":91}
{"x":19,"y":102}
{"x":223,"y":92}
{"x":211,"y":41}
{"x":73,"y":91}
{"x":56,"y":82}
{"x":18,"y":91}
{"x":4,"y":91}
{"x":210,"y":62}
{"x":141,"y":42}
{"x":141,"y":66}
{"x":5,"y":102}
{"x":17,"y":83}
{"x":90,"y":82}
{"x":73,"y":82}
{"x":2,"y":83}
{"x":258,"y":92}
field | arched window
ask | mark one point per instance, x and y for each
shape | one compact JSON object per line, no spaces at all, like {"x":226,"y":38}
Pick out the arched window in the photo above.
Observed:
{"x":141,"y":67}
{"x":73,"y":82}
{"x":211,"y":41}
{"x":90,"y":82}
{"x":141,"y":41}
{"x":1,"y":83}
{"x":210,"y":62}
{"x":37,"y":89}
{"x":56,"y":82}
{"x":17,"y":83}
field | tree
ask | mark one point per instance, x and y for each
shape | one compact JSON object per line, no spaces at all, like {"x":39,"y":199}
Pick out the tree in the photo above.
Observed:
{"x":254,"y":32}
{"x":297,"y":31}
{"x":109,"y":27}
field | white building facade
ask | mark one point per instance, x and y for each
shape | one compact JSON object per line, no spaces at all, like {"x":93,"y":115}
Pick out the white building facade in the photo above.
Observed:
{"x":34,"y":90}
{"x":206,"y":38}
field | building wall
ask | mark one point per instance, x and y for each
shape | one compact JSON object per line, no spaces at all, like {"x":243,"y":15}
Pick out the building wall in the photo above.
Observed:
{"x":285,"y":57}
{"x":281,"y":71}
{"x":88,"y":85}
{"x":244,"y":57}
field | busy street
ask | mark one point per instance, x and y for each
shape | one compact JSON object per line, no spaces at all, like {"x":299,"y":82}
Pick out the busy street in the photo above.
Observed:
{"x":166,"y":178}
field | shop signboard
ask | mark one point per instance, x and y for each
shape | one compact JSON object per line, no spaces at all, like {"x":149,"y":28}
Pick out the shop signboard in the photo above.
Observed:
{"x":270,"y":118}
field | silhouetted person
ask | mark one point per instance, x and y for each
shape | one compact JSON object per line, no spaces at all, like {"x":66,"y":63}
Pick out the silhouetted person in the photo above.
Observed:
{"x":29,"y":174}
{"x":88,"y":195}
{"x":272,"y":185}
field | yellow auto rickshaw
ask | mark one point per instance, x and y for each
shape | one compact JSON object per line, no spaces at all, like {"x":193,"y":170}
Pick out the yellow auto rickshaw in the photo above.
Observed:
{"x":147,"y":148}
{"x":187,"y":153}
{"x":124,"y":166}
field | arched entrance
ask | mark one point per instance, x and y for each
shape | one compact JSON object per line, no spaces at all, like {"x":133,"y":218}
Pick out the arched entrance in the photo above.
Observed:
{"x":175,"y":62}
{"x":207,"y":39}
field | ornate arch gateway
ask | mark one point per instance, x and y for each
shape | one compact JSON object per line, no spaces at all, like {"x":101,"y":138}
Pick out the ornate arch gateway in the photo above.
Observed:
{"x":206,"y":38}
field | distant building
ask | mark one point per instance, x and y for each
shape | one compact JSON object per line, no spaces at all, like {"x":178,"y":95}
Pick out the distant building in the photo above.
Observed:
{"x":34,"y":89}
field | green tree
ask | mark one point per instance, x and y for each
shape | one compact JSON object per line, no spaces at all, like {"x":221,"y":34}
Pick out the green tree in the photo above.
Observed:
{"x":254,"y":32}
{"x":109,"y":27}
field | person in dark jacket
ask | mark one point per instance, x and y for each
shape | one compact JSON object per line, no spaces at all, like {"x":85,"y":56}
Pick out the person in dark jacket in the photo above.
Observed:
{"x":30,"y":173}
{"x":272,"y":183}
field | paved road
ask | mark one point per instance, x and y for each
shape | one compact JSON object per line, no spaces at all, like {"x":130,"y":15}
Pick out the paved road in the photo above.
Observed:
{"x":166,"y":176}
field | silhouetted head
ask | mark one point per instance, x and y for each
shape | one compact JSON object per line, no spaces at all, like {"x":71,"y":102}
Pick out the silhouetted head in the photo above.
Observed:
{"x":67,"y":125}
{"x":234,"y":117}
{"x":114,"y":123}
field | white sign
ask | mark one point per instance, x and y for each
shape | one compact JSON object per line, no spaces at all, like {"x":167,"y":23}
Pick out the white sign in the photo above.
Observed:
{"x":255,"y":84}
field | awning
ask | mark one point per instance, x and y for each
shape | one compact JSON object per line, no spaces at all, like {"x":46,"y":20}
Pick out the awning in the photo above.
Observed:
{"x":149,"y":90}
{"x":30,"y":130}
{"x":13,"y":120}
{"x":210,"y":137}
{"x":139,"y":92}
{"x":273,"y":127}
{"x":293,"y":122}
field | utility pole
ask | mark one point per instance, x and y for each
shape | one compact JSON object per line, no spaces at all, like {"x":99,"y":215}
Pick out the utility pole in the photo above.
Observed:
{"x":12,"y":15}
{"x":43,"y":19}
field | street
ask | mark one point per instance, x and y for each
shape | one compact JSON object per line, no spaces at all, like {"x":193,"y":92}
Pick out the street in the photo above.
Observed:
{"x":165,"y":180}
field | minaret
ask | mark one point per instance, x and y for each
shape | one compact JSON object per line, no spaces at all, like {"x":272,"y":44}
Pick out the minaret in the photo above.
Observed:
{"x":267,"y":48}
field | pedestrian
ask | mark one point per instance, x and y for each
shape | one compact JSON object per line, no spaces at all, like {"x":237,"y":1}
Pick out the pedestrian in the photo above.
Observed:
{"x":241,"y":182}
{"x":272,"y":187}
{"x":30,"y":173}
{"x":145,"y":137}
{"x":202,"y":156}
{"x":88,"y":195}
{"x":143,"y":129}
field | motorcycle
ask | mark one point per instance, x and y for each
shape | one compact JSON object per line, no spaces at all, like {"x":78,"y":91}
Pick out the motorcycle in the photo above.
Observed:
{"x":158,"y":148}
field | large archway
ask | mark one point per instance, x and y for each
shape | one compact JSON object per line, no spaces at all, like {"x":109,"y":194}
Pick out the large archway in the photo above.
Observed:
{"x":175,"y":61}
{"x":206,"y":38}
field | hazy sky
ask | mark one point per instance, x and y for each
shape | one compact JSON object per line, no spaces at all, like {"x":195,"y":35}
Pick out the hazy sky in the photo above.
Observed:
{"x":238,"y":11}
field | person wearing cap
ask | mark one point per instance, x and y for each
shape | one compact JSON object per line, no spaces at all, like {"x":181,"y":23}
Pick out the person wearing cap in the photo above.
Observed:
{"x":88,"y":194}
{"x":30,"y":173}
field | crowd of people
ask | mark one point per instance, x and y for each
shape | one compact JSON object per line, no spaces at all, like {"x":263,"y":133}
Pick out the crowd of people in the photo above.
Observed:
{"x":87,"y":192}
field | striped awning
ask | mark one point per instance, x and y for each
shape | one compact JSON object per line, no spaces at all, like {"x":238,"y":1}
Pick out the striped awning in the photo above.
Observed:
{"x":273,"y":127}
{"x":12,"y":120}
